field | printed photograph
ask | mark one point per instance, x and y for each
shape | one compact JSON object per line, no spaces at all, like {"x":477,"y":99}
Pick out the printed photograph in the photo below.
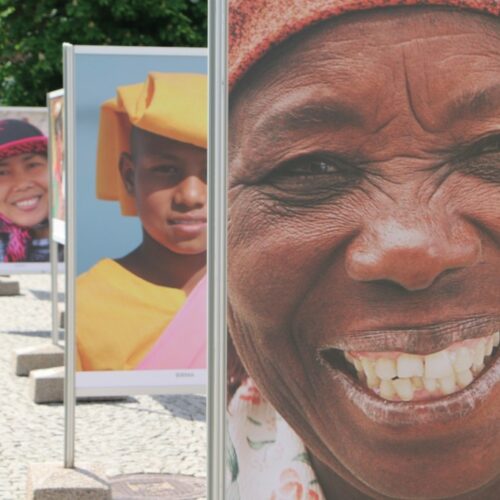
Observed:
{"x":364,"y":250}
{"x":141,"y":210}
{"x":24,"y":189}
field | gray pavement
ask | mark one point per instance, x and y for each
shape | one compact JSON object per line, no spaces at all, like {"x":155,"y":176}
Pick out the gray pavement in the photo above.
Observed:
{"x":139,"y":435}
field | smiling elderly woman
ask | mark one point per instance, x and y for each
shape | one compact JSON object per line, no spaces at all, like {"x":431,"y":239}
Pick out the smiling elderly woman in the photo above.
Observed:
{"x":364,"y":249}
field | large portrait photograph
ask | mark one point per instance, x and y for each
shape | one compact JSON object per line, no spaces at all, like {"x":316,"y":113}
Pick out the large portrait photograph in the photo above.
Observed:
{"x":24,"y":190}
{"x":140,"y":128}
{"x":363,"y":250}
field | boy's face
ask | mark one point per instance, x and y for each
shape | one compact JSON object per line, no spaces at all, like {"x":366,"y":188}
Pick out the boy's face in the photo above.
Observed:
{"x":168,"y":181}
{"x":24,"y":189}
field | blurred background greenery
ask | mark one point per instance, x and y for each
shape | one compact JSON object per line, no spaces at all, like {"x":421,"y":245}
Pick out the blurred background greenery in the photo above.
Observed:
{"x":32,"y":32}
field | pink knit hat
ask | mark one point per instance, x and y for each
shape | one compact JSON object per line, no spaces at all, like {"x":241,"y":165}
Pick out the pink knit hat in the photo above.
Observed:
{"x":255,"y":26}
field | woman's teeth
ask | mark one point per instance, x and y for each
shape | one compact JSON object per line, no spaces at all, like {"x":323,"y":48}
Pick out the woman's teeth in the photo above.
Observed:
{"x":26,"y":204}
{"x":399,"y":376}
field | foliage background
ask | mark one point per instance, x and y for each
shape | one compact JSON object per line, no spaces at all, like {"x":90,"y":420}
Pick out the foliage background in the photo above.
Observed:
{"x":32,"y":32}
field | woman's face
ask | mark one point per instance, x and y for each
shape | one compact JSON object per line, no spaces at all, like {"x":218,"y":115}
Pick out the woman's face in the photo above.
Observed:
{"x":168,"y":181}
{"x":364,"y":219}
{"x":24,"y":189}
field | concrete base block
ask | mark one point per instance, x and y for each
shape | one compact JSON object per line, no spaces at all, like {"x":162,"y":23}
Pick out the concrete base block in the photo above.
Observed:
{"x":9,"y":288}
{"x":49,"y":481}
{"x":47,"y":385}
{"x":26,"y":359}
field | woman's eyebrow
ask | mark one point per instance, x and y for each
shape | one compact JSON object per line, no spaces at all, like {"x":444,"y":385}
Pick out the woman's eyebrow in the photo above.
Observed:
{"x":329,"y":113}
{"x":475,"y":103}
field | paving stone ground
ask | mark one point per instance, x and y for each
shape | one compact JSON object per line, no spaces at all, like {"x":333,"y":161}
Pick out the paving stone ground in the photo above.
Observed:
{"x":138,"y":435}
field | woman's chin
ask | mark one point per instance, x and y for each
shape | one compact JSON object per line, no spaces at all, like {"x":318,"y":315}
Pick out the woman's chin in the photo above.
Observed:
{"x":444,"y":448}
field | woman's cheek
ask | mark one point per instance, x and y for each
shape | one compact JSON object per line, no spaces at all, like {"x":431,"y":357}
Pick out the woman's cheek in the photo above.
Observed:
{"x":4,"y":189}
{"x":477,"y":200}
{"x":273,"y":260}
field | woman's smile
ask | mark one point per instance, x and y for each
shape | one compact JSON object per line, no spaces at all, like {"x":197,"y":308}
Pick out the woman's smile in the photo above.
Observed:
{"x":27,"y":204}
{"x":378,"y":364}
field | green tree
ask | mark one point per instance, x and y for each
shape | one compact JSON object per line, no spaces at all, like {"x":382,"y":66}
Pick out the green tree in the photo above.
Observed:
{"x":32,"y":33}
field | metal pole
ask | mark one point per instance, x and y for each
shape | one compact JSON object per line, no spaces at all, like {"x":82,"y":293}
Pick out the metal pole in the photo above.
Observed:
{"x":217,"y":156}
{"x":69,"y":258}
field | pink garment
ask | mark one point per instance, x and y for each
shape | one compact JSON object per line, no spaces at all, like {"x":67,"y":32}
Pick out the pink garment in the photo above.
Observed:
{"x":18,"y":240}
{"x":183,"y":343}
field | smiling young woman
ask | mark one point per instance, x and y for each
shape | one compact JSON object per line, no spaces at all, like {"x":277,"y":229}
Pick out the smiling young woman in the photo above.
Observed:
{"x":364,"y":250}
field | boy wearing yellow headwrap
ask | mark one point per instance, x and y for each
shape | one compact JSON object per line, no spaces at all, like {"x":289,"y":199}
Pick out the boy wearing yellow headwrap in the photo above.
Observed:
{"x":152,"y":159}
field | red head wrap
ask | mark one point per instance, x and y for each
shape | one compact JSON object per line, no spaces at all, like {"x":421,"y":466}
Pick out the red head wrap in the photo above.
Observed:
{"x":255,"y":26}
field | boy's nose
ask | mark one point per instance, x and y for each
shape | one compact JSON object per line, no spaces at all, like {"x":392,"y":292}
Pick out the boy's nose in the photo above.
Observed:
{"x":191,"y":192}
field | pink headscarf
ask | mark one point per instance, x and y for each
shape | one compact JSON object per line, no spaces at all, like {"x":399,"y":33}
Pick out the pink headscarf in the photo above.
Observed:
{"x":255,"y":26}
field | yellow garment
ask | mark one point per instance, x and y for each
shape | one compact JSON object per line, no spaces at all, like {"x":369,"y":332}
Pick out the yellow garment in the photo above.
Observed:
{"x":172,"y":105}
{"x":119,"y":316}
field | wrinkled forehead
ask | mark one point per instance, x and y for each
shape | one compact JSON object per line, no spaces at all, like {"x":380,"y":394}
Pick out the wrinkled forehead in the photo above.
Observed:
{"x":447,"y":63}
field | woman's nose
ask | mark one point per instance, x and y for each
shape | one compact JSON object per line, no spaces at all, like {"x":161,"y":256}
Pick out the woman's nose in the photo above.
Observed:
{"x":412,"y":253}
{"x":191,"y":192}
{"x":22,"y":182}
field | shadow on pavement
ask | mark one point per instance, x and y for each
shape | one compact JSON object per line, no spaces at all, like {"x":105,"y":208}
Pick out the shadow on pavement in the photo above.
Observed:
{"x":44,"y":295}
{"x":33,"y":333}
{"x":186,"y":406}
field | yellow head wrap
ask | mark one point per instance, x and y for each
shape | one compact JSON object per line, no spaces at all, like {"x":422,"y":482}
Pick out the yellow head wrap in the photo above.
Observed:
{"x":173,"y":105}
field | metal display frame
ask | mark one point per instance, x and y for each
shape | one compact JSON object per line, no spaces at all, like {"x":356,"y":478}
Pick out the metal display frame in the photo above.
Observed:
{"x":69,"y":259}
{"x":113,"y":383}
{"x":217,"y":248}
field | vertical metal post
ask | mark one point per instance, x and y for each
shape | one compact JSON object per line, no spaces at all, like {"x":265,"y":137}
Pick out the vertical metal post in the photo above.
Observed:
{"x":69,"y":258}
{"x":217,"y":161}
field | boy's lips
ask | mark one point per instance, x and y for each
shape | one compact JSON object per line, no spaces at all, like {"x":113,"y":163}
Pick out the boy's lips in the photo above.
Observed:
{"x":188,"y":226}
{"x":418,"y":383}
{"x":189,"y":221}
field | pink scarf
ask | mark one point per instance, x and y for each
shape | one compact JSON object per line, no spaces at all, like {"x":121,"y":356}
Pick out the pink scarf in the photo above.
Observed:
{"x":18,"y":240}
{"x":183,"y":343}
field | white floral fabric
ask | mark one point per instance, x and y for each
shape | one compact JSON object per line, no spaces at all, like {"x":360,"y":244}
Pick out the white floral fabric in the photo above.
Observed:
{"x":265,"y":459}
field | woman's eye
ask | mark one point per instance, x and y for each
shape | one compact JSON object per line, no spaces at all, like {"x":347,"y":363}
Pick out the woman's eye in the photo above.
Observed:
{"x":304,"y":167}
{"x":487,"y":145}
{"x":312,"y":167}
{"x":312,"y":179}
{"x":35,"y":164}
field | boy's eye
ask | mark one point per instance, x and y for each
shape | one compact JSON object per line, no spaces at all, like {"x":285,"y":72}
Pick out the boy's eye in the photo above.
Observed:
{"x":165,"y":169}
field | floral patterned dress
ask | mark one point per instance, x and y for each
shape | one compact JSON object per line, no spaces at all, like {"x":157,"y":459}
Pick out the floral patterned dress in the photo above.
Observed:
{"x":266,"y":460}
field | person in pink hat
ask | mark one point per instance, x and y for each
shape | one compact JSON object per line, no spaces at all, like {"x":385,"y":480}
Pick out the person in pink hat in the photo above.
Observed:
{"x":364,"y":249}
{"x":24,"y":198}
